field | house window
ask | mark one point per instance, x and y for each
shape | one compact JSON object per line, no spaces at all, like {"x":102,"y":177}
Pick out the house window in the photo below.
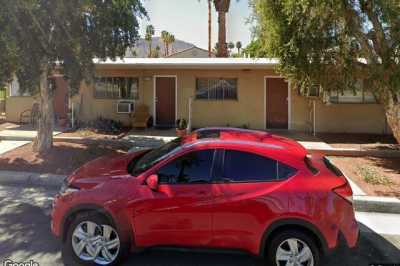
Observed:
{"x":117,"y":88}
{"x":216,"y":89}
{"x":14,"y":89}
{"x":360,"y":95}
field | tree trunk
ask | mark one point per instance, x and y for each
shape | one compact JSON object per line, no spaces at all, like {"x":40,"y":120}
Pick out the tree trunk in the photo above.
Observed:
{"x":392,"y":111}
{"x":222,"y":47}
{"x":209,"y":28}
{"x":44,"y":139}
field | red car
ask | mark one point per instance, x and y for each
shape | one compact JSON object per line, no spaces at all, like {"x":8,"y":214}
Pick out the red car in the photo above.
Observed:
{"x":215,"y":188}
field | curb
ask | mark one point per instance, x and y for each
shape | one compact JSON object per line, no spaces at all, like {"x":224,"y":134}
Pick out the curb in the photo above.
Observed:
{"x":357,"y":153}
{"x":377,"y":204}
{"x":31,"y":179}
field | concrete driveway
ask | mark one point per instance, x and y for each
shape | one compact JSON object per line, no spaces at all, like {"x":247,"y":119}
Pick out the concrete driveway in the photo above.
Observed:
{"x":25,"y":235}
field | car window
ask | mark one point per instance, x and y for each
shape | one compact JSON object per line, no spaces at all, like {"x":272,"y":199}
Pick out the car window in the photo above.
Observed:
{"x":241,"y":166}
{"x":191,"y":168}
{"x":154,"y":156}
{"x":285,"y":171}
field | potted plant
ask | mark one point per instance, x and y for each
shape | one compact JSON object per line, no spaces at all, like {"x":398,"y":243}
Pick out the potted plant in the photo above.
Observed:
{"x":181,"y":127}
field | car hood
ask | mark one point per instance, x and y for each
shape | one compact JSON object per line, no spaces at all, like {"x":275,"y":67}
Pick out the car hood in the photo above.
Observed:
{"x":103,"y":168}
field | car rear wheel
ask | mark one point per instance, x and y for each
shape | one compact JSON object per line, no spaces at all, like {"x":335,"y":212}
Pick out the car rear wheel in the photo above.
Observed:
{"x":292,"y":248}
{"x":93,"y":240}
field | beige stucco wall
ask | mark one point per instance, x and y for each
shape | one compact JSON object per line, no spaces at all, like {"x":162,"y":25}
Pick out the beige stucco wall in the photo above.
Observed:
{"x":16,"y":105}
{"x":338,"y":118}
{"x":247,"y":110}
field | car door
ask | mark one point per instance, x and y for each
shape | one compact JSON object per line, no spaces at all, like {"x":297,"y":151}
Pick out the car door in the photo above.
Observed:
{"x":245,"y":197}
{"x":179,"y":212}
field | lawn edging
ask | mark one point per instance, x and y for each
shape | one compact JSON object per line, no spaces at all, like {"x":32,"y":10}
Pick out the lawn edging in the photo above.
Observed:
{"x":31,"y":179}
{"x":377,"y":204}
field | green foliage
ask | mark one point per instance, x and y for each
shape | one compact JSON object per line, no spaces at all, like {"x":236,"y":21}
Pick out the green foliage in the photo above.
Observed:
{"x":149,"y":38}
{"x":333,"y":42}
{"x":37,"y":34}
{"x":2,"y":93}
{"x":371,"y":176}
{"x":254,"y":49}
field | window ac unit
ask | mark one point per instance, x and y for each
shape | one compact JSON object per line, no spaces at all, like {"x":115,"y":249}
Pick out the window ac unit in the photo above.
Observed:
{"x":313,"y":91}
{"x":125,"y":107}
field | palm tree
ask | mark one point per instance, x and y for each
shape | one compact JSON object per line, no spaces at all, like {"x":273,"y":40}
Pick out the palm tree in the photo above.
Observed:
{"x":238,"y":46}
{"x":157,"y":51}
{"x":209,"y":27}
{"x":164,"y":37}
{"x":231,"y":46}
{"x":149,"y":37}
{"x":222,"y":7}
{"x":170,"y":41}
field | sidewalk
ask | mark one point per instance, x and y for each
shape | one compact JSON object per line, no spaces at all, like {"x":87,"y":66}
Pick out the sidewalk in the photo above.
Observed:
{"x":13,"y":136}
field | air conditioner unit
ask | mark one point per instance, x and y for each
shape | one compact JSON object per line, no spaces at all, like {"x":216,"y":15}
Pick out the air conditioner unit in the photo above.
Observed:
{"x":125,"y":107}
{"x":313,"y":91}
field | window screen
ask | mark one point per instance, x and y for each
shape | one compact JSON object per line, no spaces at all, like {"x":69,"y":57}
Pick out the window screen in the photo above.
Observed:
{"x":216,"y":89}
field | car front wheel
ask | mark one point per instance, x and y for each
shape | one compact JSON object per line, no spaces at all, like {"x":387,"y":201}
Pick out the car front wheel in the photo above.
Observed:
{"x":294,"y":248}
{"x":93,"y":240}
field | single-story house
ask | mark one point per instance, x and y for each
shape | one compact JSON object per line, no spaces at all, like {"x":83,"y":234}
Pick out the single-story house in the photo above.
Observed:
{"x":192,"y":52}
{"x":224,"y":92}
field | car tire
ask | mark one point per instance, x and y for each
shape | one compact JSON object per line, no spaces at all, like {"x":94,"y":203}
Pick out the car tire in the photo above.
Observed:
{"x":282,"y":246}
{"x":80,"y":229}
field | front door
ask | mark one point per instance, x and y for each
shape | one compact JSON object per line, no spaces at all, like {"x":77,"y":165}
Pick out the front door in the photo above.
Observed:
{"x":276,"y":103}
{"x":60,"y":100}
{"x":165,"y":101}
{"x":179,"y":212}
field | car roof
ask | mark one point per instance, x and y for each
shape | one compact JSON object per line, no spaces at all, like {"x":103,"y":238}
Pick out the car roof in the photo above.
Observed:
{"x":246,"y":137}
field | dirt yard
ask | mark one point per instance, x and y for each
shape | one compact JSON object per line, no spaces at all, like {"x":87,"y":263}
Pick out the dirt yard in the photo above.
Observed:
{"x":63,"y":158}
{"x":376,"y":176}
{"x":92,"y":134}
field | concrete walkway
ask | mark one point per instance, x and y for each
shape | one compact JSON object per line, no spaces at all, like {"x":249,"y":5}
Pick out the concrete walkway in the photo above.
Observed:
{"x":8,"y":145}
{"x":13,"y":136}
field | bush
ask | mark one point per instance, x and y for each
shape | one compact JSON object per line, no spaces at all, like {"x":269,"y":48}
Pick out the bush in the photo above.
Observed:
{"x":104,"y":125}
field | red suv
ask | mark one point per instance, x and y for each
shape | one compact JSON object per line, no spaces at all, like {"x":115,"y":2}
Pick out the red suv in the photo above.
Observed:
{"x":215,"y":188}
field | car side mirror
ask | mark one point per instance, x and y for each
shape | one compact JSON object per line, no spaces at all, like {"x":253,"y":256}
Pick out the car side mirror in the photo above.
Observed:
{"x":152,"y":182}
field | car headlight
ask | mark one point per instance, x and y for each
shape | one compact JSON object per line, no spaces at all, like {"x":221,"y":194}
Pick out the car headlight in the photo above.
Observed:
{"x":66,"y":188}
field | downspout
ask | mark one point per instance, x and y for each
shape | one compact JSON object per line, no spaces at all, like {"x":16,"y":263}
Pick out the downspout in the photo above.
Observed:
{"x":314,"y":123}
{"x":190,"y":102}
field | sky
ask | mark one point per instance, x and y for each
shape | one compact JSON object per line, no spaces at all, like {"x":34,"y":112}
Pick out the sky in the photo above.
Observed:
{"x":188,"y":20}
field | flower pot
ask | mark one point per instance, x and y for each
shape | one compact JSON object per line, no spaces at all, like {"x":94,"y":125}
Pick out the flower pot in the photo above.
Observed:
{"x":181,"y":132}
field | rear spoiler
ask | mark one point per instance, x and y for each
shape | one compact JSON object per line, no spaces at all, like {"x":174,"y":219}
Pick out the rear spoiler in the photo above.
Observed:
{"x":309,"y":161}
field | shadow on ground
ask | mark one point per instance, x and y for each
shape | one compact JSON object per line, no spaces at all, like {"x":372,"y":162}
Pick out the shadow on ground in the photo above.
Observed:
{"x":25,"y":234}
{"x":63,"y":158}
{"x":372,"y":248}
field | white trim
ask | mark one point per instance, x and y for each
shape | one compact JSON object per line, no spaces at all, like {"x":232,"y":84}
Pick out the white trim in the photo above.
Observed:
{"x":265,"y":100}
{"x":154,"y":96}
{"x":189,"y":63}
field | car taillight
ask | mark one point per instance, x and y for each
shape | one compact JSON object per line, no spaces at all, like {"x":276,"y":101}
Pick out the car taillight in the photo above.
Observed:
{"x":345,"y":192}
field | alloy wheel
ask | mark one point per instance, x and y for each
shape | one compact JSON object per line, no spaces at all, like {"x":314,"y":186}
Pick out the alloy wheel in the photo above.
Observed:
{"x":294,"y":252}
{"x":97,"y":243}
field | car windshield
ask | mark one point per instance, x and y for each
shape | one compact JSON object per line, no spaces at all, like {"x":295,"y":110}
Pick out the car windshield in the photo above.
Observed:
{"x":154,"y":156}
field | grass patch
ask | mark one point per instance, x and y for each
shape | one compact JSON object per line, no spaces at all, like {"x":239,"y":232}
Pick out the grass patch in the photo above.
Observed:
{"x":371,"y":176}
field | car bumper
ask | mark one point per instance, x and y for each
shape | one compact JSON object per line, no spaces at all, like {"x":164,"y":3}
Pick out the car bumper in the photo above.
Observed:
{"x":56,"y":217}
